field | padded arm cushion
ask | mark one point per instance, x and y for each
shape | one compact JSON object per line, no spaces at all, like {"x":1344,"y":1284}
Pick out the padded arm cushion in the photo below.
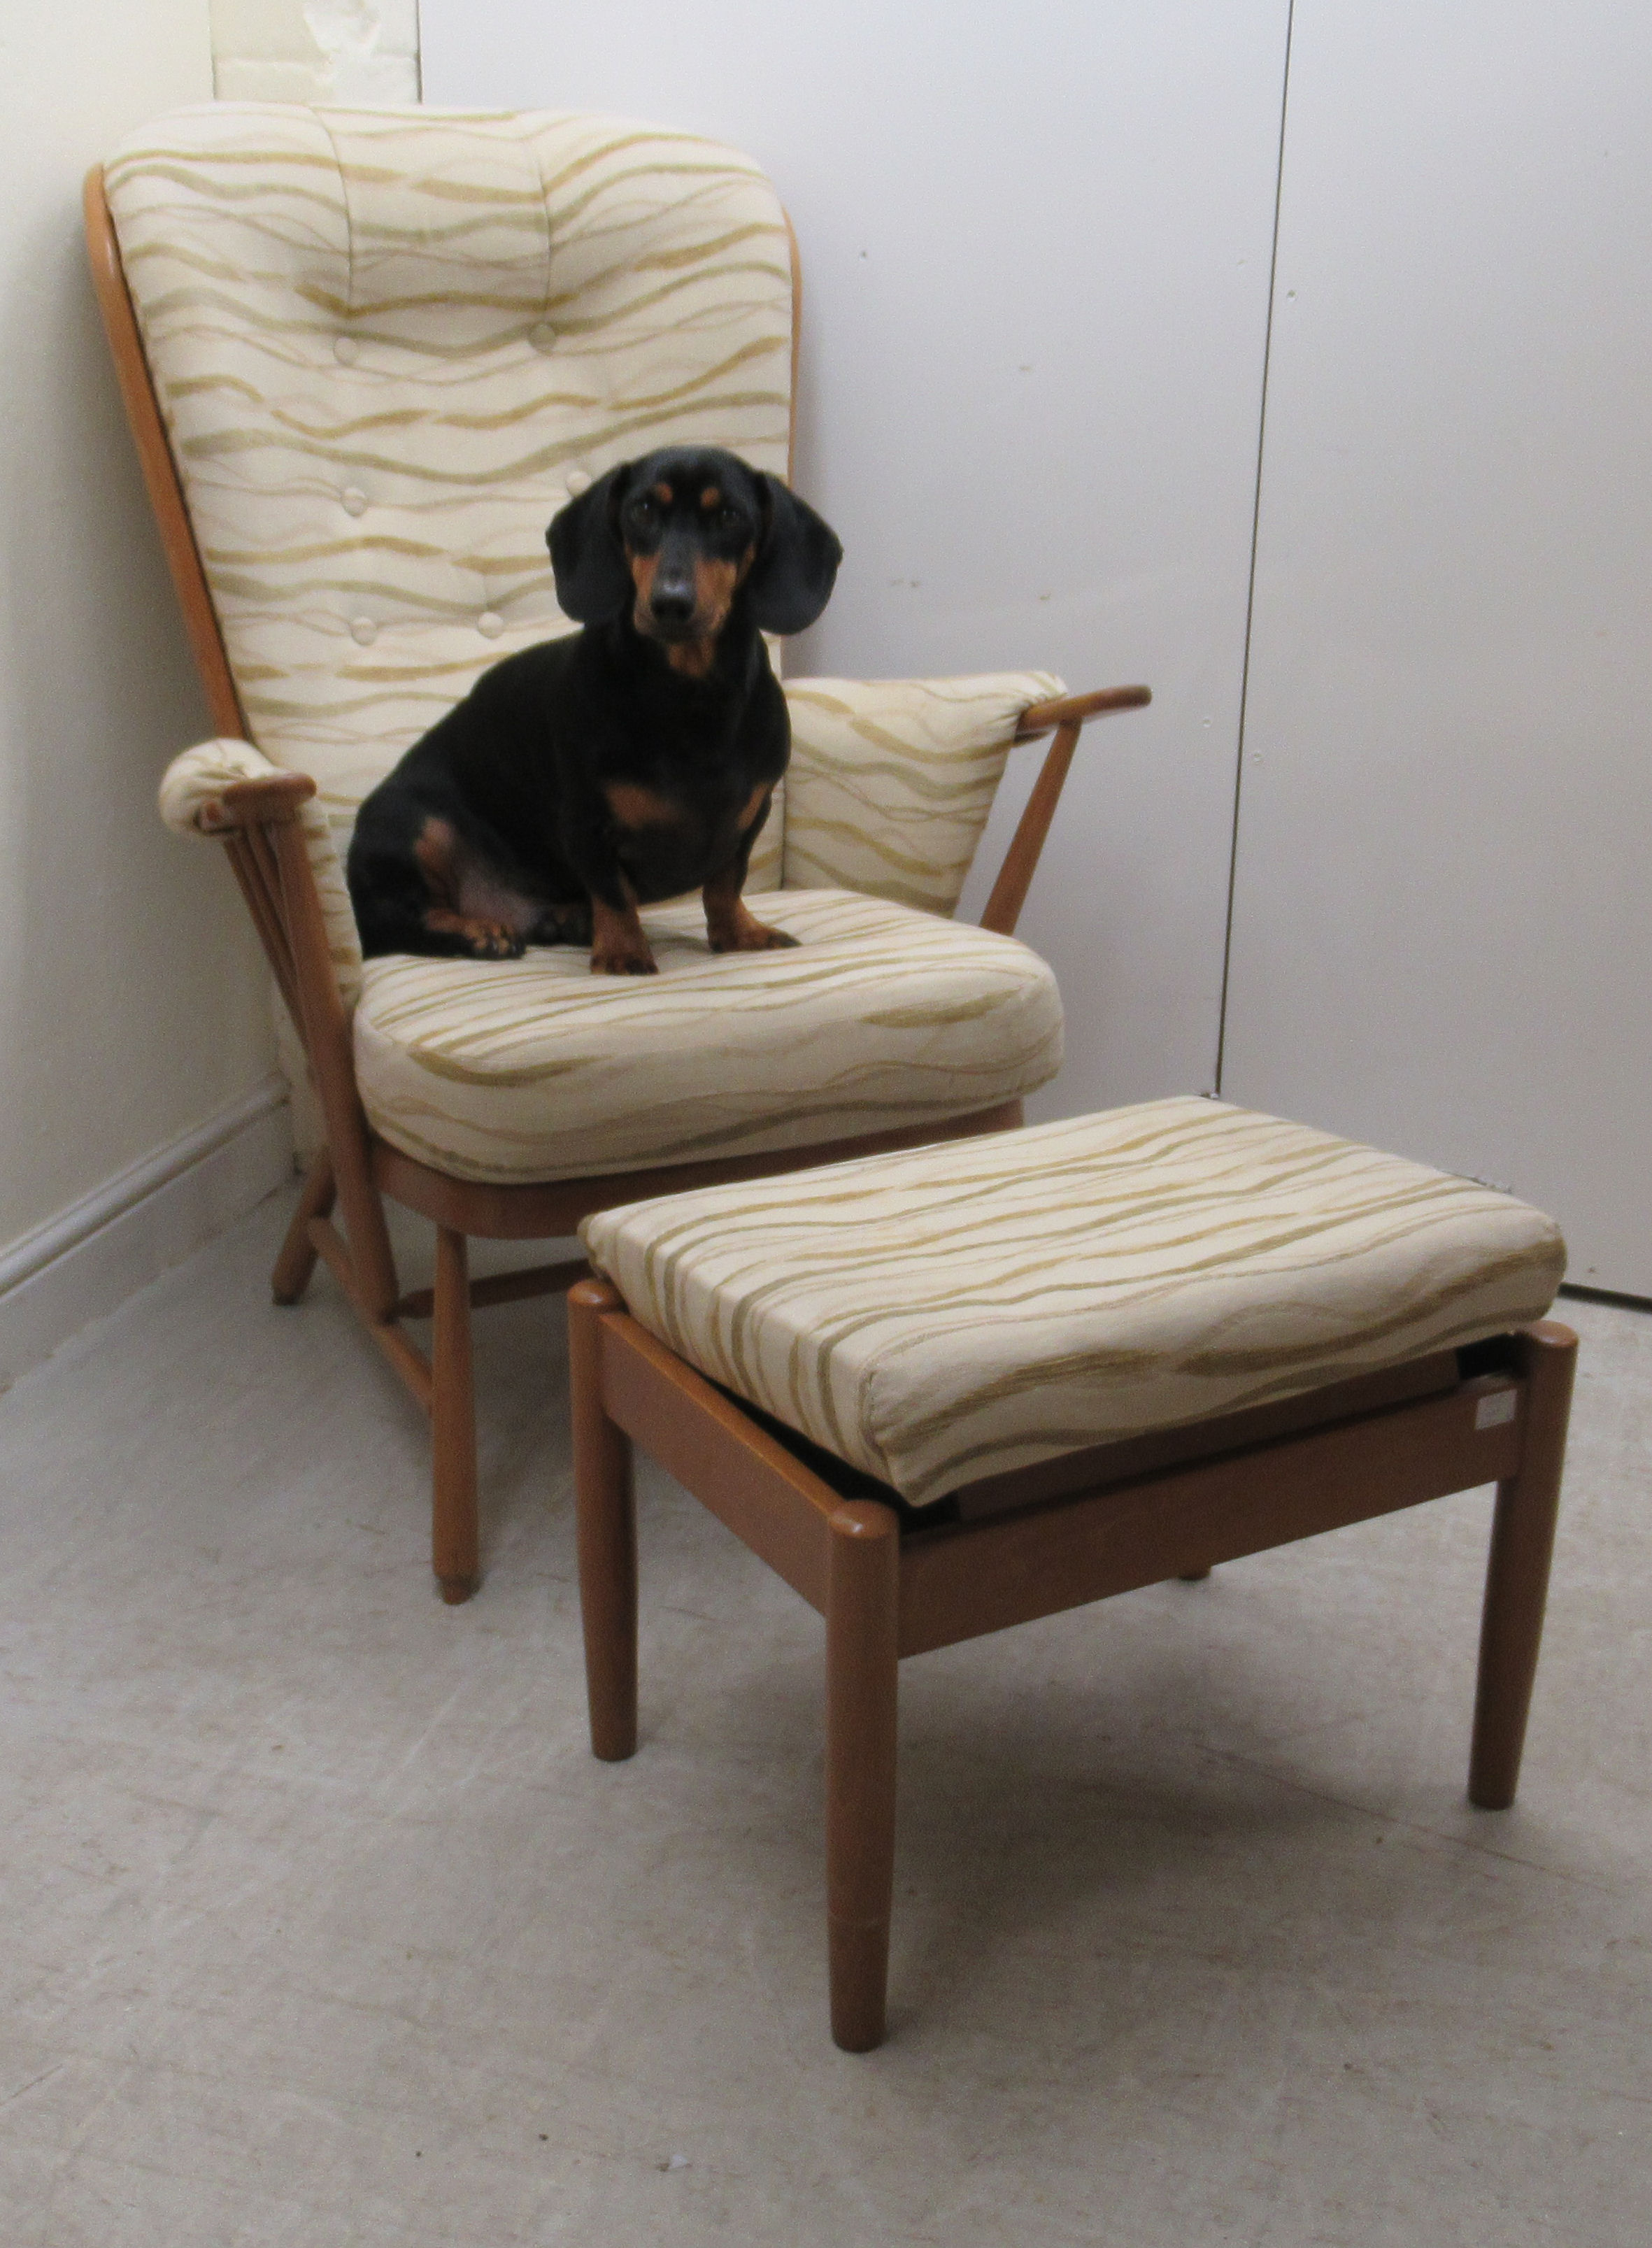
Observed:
{"x":189,"y":803}
{"x":891,"y":780}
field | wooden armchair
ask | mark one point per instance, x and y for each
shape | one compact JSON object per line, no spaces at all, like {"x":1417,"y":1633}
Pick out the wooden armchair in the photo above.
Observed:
{"x":365,"y":356}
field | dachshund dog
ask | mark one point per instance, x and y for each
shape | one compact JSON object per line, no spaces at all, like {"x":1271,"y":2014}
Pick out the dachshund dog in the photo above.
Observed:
{"x":623,"y":763}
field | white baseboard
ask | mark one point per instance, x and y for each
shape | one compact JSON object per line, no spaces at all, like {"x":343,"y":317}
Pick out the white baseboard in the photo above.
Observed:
{"x":115,"y":1240}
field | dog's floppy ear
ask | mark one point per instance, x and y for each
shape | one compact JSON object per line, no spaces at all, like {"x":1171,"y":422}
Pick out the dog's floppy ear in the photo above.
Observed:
{"x":593,"y":582}
{"x":796,"y":565}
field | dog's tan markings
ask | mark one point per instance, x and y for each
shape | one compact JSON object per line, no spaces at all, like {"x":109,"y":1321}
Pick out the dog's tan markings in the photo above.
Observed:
{"x":729,"y":922}
{"x":642,"y":569}
{"x":714,"y":585}
{"x":488,"y":940}
{"x":693,"y":658}
{"x":634,"y":806}
{"x":467,"y":899}
{"x":757,"y":803}
{"x":711,"y":496}
{"x":664,"y":494}
{"x":435,"y":852}
{"x":619,"y":944}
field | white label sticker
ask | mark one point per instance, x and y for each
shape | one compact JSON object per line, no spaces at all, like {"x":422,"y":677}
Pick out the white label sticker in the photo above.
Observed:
{"x":1494,"y":1411}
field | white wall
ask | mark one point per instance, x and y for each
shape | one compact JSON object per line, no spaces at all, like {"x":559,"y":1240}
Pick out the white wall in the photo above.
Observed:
{"x":1443,"y":919}
{"x":1035,"y":247}
{"x":132,"y":1006}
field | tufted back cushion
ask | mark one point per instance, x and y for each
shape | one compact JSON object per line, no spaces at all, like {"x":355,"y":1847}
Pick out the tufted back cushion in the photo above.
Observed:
{"x":388,"y":346}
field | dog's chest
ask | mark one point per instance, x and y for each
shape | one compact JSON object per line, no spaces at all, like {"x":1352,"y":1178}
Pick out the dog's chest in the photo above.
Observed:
{"x":670,"y":838}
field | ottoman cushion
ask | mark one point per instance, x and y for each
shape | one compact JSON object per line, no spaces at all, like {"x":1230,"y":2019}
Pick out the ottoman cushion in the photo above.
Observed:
{"x":952,"y":1313}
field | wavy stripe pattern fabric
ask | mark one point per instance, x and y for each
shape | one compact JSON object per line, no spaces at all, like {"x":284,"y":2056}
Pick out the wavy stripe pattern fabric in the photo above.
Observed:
{"x":191,"y":786}
{"x":892,"y":780}
{"x":955,"y":1311}
{"x":388,"y":346}
{"x":388,"y":343}
{"x":536,"y":1069}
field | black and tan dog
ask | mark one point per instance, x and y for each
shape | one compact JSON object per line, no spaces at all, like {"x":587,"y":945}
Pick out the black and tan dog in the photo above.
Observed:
{"x":627,"y":762}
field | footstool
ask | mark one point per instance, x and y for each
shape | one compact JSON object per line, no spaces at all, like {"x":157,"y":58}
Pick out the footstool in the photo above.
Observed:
{"x":960,"y":1386}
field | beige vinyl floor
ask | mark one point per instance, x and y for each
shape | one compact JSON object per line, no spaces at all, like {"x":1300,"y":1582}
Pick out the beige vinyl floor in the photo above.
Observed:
{"x":322,"y":1926}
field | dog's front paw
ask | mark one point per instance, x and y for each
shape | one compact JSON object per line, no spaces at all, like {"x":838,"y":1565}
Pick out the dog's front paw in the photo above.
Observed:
{"x":749,"y":936}
{"x":731,"y":926}
{"x":615,"y":960}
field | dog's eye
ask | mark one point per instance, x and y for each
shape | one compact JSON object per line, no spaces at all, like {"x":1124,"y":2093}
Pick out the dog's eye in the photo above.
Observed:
{"x":728,"y":518}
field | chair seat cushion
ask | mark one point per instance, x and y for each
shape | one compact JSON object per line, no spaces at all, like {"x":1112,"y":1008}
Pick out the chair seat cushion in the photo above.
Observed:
{"x":951,"y":1313}
{"x":534,"y":1069}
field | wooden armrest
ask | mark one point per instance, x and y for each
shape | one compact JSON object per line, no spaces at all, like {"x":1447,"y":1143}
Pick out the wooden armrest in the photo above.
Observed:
{"x":1021,"y":859}
{"x":1073,"y":710}
{"x":260,"y":803}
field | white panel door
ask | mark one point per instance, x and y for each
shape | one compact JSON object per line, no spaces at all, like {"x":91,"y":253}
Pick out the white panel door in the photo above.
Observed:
{"x":1035,"y":249}
{"x":1443,"y":919}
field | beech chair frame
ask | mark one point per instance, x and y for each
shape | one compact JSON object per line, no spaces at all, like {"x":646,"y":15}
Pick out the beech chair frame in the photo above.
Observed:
{"x":890,"y":1583}
{"x":356,"y":1169}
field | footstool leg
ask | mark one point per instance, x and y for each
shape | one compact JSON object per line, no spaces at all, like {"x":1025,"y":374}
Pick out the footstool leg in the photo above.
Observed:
{"x":605,"y":1506}
{"x":1516,"y":1579}
{"x":454,"y":1551}
{"x":862,"y":1606}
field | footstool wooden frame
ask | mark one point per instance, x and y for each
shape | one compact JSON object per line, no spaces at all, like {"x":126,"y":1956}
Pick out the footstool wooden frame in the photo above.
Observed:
{"x":1056,"y":1536}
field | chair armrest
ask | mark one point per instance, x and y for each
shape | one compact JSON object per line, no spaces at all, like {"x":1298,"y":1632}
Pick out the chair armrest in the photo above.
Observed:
{"x":1067,"y":716}
{"x":266,"y":803}
{"x":226,"y":789}
{"x":195,"y":785}
{"x":1076,"y":709}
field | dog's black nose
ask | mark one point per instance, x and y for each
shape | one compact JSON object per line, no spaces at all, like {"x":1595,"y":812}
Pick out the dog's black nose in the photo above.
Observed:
{"x":672,"y":600}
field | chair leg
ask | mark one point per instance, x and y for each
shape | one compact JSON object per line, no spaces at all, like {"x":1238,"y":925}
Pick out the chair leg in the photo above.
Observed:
{"x":1517,"y":1572}
{"x":862,"y":1612}
{"x":453,"y":1417}
{"x":298,"y":1258}
{"x":605,"y":1504}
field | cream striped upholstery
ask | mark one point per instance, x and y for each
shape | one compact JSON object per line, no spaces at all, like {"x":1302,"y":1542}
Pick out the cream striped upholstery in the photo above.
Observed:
{"x":388,"y":346}
{"x":952,"y":1313}
{"x":388,"y":343}
{"x":509,"y":1071}
{"x":892,"y":780}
